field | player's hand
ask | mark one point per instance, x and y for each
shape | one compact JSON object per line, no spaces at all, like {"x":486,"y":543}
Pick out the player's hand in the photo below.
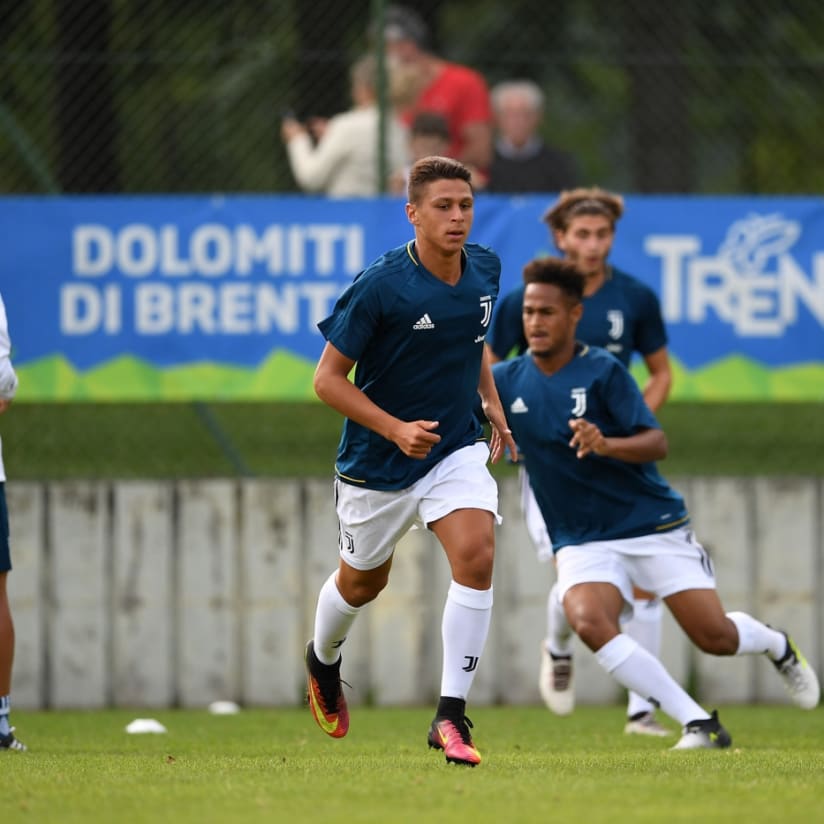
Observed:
{"x":586,"y":438}
{"x":500,"y":441}
{"x":416,"y":438}
{"x":4,"y":405}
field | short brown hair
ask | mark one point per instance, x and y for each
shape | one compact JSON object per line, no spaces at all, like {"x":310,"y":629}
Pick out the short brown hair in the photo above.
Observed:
{"x":558,"y":272}
{"x":428,"y":169}
{"x":583,"y":201}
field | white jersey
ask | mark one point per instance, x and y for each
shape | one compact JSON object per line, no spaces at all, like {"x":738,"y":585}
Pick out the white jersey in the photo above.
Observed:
{"x":8,"y":379}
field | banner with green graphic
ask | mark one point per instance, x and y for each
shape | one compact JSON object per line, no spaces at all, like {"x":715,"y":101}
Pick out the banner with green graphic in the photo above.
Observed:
{"x":218,"y":298}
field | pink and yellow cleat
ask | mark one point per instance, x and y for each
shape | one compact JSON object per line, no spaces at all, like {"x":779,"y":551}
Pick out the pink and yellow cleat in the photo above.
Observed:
{"x":325,"y":695}
{"x":454,"y":739}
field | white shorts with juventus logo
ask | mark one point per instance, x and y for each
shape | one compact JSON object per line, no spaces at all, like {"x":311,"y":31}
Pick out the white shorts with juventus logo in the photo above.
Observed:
{"x":663,"y":563}
{"x":372,"y":521}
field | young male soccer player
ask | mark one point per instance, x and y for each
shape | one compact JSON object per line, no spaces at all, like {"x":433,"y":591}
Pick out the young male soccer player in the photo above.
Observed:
{"x":622,"y":315}
{"x":8,"y":387}
{"x":414,"y":324}
{"x":589,"y":442}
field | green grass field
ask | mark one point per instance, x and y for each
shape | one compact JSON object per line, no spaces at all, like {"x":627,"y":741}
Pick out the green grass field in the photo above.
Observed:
{"x":276,"y":766}
{"x":82,"y":440}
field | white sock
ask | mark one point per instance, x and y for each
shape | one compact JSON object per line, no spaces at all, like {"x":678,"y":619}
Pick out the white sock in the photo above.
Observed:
{"x":333,"y":618}
{"x":558,"y":631}
{"x":636,"y":669}
{"x":5,"y":708}
{"x":755,"y":638}
{"x":645,"y":628}
{"x":465,"y":625}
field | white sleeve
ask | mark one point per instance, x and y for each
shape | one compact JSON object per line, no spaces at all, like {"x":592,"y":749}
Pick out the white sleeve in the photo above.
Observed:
{"x":8,"y":379}
{"x":313,"y":166}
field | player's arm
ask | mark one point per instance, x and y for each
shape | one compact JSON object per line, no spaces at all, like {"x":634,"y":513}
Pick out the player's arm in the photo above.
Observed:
{"x":494,"y":412}
{"x":640,"y":447}
{"x":506,"y":330}
{"x":657,"y":388}
{"x":8,"y":384}
{"x":8,"y":377}
{"x":493,"y":358}
{"x":332,"y":385}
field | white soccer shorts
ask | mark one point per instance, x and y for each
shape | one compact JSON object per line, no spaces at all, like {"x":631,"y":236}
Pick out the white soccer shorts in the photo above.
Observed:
{"x":662,"y":563}
{"x":372,"y":521}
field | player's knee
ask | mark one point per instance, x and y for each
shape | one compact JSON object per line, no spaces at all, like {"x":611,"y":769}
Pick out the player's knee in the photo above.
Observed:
{"x":361,"y":591}
{"x":475,"y":576}
{"x":717,"y":641}
{"x":473,"y":567}
{"x":593,"y":628}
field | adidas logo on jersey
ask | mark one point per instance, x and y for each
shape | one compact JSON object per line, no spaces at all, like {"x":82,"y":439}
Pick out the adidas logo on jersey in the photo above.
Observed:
{"x":518,"y":406}
{"x":424,"y":323}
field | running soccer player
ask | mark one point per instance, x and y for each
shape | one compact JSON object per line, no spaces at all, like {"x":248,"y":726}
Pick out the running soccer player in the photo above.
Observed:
{"x":623,"y":315}
{"x":8,"y":388}
{"x":590,"y":442}
{"x":413,"y":326}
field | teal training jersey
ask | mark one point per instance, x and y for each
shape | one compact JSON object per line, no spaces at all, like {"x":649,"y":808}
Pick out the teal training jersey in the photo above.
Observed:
{"x":623,"y":316}
{"x":591,"y":498}
{"x":418,"y":344}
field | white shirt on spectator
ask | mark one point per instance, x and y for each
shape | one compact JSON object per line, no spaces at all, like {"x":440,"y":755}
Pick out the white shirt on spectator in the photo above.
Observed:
{"x":345,"y":161}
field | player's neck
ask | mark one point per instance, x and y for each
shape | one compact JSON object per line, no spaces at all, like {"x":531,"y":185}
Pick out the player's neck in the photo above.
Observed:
{"x":552,"y":362}
{"x":444,"y":265}
{"x":593,"y":281}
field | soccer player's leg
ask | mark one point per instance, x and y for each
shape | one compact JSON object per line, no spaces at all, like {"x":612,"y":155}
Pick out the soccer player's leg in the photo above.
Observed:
{"x":712,"y":630}
{"x":645,"y":628}
{"x":594,"y":609}
{"x":800,"y":680}
{"x":556,"y":679}
{"x":324,"y":692}
{"x":693,"y":600}
{"x":366,"y":543}
{"x":753,"y":637}
{"x":556,"y":676}
{"x":8,"y":741}
{"x":460,"y":505}
{"x":597,"y":591}
{"x":464,"y":630}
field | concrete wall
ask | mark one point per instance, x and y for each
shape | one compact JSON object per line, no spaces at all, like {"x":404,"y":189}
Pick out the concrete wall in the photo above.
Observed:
{"x":156,"y":594}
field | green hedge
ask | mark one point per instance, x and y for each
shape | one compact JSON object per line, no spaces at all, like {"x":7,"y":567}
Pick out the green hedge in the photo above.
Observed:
{"x":50,"y":441}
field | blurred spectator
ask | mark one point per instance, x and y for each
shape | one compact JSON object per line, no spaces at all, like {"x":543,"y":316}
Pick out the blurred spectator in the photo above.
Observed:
{"x":428,"y":135}
{"x":344,"y":160}
{"x":522,"y":162}
{"x":457,"y":92}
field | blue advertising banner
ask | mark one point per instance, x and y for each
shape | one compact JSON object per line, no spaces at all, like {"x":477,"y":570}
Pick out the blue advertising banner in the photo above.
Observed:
{"x":197,"y":297}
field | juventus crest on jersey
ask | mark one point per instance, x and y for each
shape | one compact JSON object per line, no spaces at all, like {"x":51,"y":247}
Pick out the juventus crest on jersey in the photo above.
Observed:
{"x":578,"y":503}
{"x":418,"y":343}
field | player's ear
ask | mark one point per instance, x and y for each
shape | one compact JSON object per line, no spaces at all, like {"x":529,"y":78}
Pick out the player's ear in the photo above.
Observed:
{"x":411,"y":213}
{"x":558,"y":237}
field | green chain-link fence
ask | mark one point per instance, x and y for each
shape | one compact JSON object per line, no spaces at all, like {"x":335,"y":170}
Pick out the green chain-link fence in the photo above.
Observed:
{"x":120,"y":96}
{"x":706,"y":96}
